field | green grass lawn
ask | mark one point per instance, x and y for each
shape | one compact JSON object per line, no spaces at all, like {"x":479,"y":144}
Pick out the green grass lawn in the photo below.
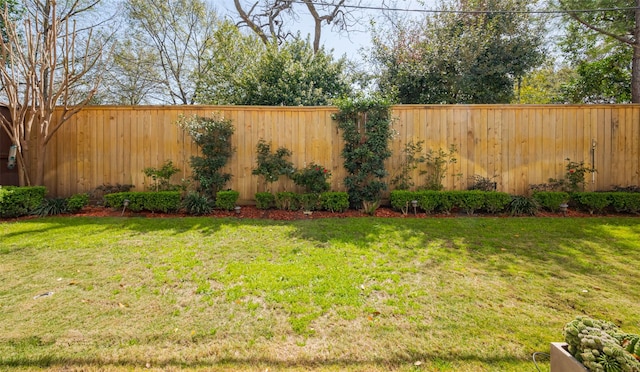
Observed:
{"x":435,"y":294}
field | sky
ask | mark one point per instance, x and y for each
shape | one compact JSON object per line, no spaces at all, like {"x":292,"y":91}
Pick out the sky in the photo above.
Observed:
{"x":342,"y":44}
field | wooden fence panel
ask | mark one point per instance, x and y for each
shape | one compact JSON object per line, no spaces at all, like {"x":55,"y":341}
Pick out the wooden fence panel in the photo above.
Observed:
{"x":516,"y":146}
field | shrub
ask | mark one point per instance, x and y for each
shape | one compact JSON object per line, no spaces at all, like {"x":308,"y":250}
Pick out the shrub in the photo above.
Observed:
{"x":286,"y":200}
{"x":366,"y":130}
{"x":270,"y":166}
{"x":334,"y":201}
{"x":97,"y":195}
{"x":51,"y":207}
{"x":447,"y":200}
{"x":161,"y":177}
{"x":551,"y":200}
{"x":264,"y":200}
{"x":402,"y":179}
{"x":482,"y":183}
{"x":76,"y":202}
{"x":625,"y":201}
{"x":495,"y":202}
{"x":429,"y":200}
{"x":162,"y":201}
{"x":523,"y":206}
{"x":197,"y":204}
{"x":19,"y":201}
{"x":592,"y":201}
{"x":227,"y":199}
{"x":213,"y":138}
{"x":401,"y":200}
{"x":470,"y":201}
{"x":309,"y":201}
{"x":575,"y":172}
{"x":437,"y":165}
{"x":314,"y":178}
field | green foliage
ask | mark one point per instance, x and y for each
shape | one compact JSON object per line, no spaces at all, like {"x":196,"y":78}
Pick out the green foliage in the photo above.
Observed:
{"x":51,"y":207}
{"x":437,"y":164}
{"x":309,"y":201}
{"x":20,"y":201}
{"x":470,"y":201}
{"x":227,"y":199}
{"x":401,"y":199}
{"x":213,"y":137}
{"x":287,"y":200}
{"x":601,"y":345}
{"x":551,"y":200}
{"x":482,"y":183}
{"x":272,"y":165}
{"x":197,"y":204}
{"x":411,"y":158}
{"x":313,"y":177}
{"x":592,"y":201}
{"x":161,"y":177}
{"x":523,"y":206}
{"x":625,"y":201}
{"x":460,"y":55}
{"x":264,"y":200}
{"x":334,"y":201}
{"x":366,"y":130}
{"x":76,"y":202}
{"x":429,"y":200}
{"x":447,"y":200}
{"x":161,"y":201}
{"x":495,"y":202}
{"x":574,"y":176}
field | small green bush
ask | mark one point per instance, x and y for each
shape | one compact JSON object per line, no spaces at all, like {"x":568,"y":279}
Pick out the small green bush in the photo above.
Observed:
{"x":470,"y":201}
{"x":401,"y":200}
{"x":523,"y":206}
{"x":287,"y":200}
{"x":227,"y":199}
{"x":551,"y":200}
{"x":162,"y":201}
{"x":51,"y":207}
{"x":314,"y":178}
{"x":309,"y":201}
{"x":429,"y":200}
{"x":495,"y":202}
{"x":76,"y":202}
{"x":625,"y":201}
{"x":20,"y":201}
{"x":197,"y":204}
{"x":592,"y":201}
{"x":334,"y":201}
{"x":447,"y":201}
{"x":264,"y":200}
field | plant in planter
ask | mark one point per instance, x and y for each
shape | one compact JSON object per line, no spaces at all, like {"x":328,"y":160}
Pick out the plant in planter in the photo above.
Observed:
{"x":601,"y":345}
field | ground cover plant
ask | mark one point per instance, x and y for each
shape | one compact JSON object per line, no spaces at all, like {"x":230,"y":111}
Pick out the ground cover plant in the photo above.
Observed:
{"x":445,"y":294}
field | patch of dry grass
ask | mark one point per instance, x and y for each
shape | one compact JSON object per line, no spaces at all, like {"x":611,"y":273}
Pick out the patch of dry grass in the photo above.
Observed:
{"x":463,"y":294}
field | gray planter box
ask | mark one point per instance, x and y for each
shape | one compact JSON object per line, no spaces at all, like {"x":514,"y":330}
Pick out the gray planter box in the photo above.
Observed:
{"x":562,"y":361}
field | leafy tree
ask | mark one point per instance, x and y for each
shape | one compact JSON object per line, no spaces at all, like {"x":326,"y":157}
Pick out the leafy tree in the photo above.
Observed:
{"x":603,"y":46}
{"x":292,"y":75}
{"x":469,"y":53}
{"x":545,"y":85}
{"x":213,"y":137}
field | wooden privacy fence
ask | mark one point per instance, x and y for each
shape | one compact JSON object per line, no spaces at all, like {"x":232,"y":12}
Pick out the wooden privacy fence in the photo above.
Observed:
{"x":515,"y":145}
